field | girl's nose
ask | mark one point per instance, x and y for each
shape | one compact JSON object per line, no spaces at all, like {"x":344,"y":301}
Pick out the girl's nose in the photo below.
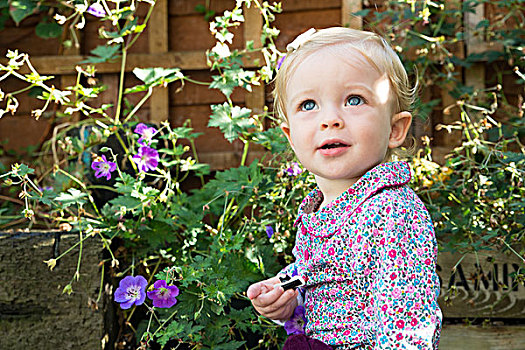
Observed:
{"x":332,"y":122}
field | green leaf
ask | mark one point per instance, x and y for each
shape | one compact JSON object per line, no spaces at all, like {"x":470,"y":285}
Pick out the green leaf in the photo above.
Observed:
{"x":103,"y":53}
{"x":273,"y":139}
{"x":232,"y":121}
{"x":21,"y":9}
{"x":73,"y":197}
{"x":47,"y":30}
{"x":24,"y":170}
{"x":130,"y":203}
{"x":362,"y":13}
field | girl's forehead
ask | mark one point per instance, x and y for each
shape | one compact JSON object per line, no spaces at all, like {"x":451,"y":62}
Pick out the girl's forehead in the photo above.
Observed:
{"x":335,"y":61}
{"x":332,"y":57}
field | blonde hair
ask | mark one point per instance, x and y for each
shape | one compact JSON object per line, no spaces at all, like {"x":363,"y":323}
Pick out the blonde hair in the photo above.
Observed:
{"x":373,"y":47}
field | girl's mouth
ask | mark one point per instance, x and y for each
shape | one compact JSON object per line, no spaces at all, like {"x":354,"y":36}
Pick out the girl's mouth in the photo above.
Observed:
{"x":333,"y":145}
{"x":333,"y":148}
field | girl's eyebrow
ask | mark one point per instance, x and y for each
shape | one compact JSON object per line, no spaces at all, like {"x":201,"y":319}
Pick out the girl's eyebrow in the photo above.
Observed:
{"x":301,"y":93}
{"x":361,"y":87}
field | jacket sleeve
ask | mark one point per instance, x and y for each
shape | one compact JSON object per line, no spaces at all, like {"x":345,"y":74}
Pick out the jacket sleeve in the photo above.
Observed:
{"x":406,"y":286}
{"x":294,"y":269}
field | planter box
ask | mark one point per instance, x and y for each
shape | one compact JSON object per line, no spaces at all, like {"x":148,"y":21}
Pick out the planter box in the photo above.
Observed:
{"x":484,"y":284}
{"x":34,"y":314}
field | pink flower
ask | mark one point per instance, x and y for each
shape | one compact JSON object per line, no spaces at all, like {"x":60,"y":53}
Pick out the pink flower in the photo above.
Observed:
{"x":399,"y":336}
{"x":396,"y":293}
{"x":103,"y":167}
{"x":294,"y":169}
{"x":147,"y":158}
{"x":295,"y":325}
{"x":131,"y":290}
{"x":331,"y":251}
{"x":163,"y":296}
{"x":400,"y":324}
{"x":146,"y":133}
{"x":413,"y":323}
{"x":96,"y":10}
{"x":392,"y":253}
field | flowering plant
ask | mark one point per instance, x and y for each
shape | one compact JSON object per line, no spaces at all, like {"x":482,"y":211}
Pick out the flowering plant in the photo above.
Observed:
{"x":126,"y":182}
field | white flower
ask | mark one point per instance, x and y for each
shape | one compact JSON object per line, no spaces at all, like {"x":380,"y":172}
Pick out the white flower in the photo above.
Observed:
{"x":222,"y":50}
{"x":60,"y":19}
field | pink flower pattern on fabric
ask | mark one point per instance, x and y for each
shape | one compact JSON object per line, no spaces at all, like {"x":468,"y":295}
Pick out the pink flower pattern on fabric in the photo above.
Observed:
{"x":368,"y":259}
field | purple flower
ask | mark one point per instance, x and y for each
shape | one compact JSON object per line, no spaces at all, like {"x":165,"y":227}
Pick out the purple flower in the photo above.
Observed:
{"x":131,"y":290}
{"x":280,"y":62}
{"x":146,"y":133}
{"x":295,"y":325}
{"x":147,"y":158}
{"x":269,"y":231}
{"x":96,"y":10}
{"x":163,"y":296}
{"x":294,"y":169}
{"x":102,"y":167}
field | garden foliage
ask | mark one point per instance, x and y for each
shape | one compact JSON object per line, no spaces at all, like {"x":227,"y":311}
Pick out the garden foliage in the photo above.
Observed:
{"x":111,"y":178}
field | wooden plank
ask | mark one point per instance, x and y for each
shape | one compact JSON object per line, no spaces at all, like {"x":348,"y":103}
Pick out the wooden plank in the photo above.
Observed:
{"x":255,"y":99}
{"x":474,"y":43}
{"x":189,"y":60}
{"x":187,"y":7}
{"x":158,"y":44}
{"x":67,"y":80}
{"x":197,"y":95}
{"x":475,"y":76}
{"x":158,"y":28}
{"x":347,"y":19}
{"x":455,"y":337}
{"x":292,"y":24}
{"x":306,"y":5}
{"x":26,"y":317}
{"x":253,"y":23}
{"x":191,"y":33}
{"x":480,"y":286}
{"x":252,"y":32}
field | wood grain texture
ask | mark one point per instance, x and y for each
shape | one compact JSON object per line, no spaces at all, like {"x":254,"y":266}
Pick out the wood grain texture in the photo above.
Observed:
{"x":34,"y":312}
{"x":347,"y":8}
{"x":482,"y":286}
{"x":189,"y":60}
{"x":454,"y":337}
{"x":158,"y":43}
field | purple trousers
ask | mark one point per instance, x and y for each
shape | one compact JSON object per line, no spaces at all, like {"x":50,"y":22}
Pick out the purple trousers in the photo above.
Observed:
{"x":302,"y":342}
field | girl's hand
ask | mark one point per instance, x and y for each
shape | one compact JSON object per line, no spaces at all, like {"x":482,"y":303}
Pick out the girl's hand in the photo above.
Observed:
{"x":271,"y":302}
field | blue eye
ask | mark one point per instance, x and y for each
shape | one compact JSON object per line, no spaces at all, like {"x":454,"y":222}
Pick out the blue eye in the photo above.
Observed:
{"x":308,"y":105}
{"x":354,"y":101}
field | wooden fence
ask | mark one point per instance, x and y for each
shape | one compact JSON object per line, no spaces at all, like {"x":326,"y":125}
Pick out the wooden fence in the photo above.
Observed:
{"x":178,"y":36}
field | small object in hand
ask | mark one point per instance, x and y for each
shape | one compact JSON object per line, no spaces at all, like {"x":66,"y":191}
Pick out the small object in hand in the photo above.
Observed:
{"x":288,"y":282}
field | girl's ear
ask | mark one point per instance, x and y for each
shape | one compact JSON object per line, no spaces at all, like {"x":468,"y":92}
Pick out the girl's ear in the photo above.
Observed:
{"x":286,"y":130}
{"x":399,"y":128}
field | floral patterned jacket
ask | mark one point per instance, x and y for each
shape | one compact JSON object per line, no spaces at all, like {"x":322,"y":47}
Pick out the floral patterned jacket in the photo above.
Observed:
{"x":368,"y":259}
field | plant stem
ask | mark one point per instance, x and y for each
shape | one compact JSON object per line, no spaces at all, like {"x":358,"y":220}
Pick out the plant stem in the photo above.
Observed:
{"x":121,"y":84}
{"x":245,"y":152}
{"x":141,"y":102}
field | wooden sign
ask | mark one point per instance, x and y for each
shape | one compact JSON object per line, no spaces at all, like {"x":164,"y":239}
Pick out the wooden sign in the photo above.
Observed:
{"x":481,"y":286}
